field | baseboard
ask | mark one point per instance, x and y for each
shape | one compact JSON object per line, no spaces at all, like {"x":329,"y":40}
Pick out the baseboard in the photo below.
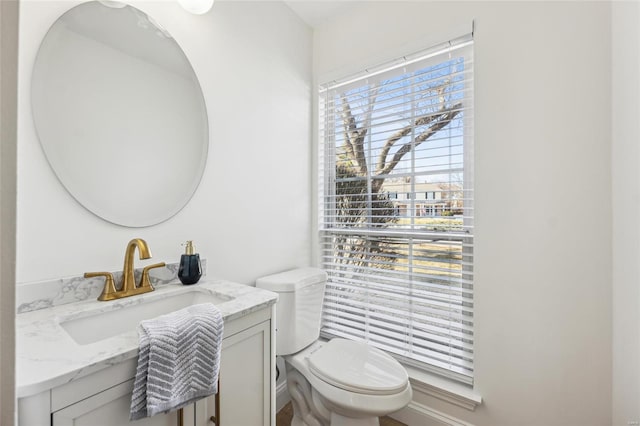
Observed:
{"x":416,"y":414}
{"x":282,"y":395}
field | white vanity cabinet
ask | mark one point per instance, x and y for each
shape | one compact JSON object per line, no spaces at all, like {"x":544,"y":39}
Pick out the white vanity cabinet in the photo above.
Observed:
{"x":247,"y":381}
{"x":245,"y":377}
{"x":111,"y":407}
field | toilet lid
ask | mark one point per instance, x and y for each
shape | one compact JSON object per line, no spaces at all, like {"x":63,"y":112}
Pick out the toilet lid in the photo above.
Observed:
{"x":358,"y":367}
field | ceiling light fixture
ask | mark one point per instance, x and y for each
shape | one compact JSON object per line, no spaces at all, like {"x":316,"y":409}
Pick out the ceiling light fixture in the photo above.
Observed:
{"x":197,"y":7}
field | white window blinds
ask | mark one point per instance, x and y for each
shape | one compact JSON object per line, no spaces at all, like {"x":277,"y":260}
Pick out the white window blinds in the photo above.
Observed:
{"x":396,"y":208}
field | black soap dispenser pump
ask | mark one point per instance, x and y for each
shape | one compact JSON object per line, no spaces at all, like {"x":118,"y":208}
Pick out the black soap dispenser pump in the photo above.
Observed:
{"x":190,"y":269}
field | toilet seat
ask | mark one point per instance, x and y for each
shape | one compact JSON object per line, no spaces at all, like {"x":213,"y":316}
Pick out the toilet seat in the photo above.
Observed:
{"x":357,"y":367}
{"x":352,"y":404}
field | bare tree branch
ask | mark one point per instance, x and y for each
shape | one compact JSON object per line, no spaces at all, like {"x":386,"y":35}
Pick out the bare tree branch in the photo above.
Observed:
{"x":349,"y":126}
{"x":354,"y":138}
{"x":420,"y":121}
{"x":371,"y":101}
{"x":435,"y":122}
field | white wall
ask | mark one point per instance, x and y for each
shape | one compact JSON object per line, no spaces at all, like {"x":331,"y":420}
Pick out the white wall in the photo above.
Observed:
{"x":626,"y":211}
{"x":250,"y":215}
{"x":543,"y":193}
{"x":543,"y":176}
{"x":8,"y":172}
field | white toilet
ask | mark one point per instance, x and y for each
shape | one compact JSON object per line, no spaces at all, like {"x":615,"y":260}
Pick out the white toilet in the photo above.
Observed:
{"x":340,"y":382}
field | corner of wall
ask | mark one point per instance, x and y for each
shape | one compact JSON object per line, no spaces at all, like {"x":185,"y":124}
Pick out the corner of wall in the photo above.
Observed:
{"x":625,"y":193}
{"x":8,"y":125}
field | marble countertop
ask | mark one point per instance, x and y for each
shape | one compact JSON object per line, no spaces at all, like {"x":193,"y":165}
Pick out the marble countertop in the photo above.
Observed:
{"x":47,"y":356}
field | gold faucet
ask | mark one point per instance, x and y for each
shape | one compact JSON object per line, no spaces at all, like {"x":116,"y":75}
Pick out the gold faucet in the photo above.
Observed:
{"x":128,"y":287}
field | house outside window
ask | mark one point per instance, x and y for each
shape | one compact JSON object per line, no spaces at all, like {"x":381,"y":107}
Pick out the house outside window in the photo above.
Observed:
{"x":399,"y":259}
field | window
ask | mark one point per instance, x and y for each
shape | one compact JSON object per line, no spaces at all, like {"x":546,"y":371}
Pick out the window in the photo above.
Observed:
{"x":399,"y":278}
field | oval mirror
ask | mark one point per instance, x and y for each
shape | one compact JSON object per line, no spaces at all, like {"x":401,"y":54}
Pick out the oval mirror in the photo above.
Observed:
{"x":119,"y":113}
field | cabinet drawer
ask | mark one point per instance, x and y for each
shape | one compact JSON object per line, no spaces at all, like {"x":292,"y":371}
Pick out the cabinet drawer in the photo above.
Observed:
{"x":111,"y":408}
{"x":67,"y":394}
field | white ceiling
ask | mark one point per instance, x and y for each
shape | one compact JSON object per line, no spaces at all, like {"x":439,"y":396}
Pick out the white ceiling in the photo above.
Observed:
{"x":315,"y":12}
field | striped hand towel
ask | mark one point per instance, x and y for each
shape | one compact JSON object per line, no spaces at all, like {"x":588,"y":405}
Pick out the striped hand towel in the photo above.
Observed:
{"x":178,"y":360}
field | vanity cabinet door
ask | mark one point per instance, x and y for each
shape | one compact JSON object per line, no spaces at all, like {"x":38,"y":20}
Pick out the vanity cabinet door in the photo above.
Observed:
{"x":111,"y":408}
{"x":245,"y":381}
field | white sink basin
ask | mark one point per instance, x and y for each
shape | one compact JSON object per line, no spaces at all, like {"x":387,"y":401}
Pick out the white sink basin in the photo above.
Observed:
{"x":99,"y":324}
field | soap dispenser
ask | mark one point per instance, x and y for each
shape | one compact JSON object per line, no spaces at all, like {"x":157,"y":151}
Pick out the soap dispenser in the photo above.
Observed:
{"x":190,"y":269}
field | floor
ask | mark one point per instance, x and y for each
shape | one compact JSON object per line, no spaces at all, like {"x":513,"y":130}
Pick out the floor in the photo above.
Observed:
{"x":284,"y":416}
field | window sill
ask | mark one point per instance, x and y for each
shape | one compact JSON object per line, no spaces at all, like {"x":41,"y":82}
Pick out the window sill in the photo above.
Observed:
{"x":443,"y":389}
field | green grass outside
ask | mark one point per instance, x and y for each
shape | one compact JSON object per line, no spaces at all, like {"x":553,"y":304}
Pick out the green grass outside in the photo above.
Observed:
{"x":433,"y":267}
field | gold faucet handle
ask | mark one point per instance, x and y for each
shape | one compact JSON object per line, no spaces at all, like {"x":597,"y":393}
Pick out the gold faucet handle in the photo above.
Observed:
{"x":145,"y":282}
{"x":109,"y":290}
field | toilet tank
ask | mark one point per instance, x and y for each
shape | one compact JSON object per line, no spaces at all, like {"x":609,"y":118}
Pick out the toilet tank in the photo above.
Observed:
{"x":299,"y":307}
